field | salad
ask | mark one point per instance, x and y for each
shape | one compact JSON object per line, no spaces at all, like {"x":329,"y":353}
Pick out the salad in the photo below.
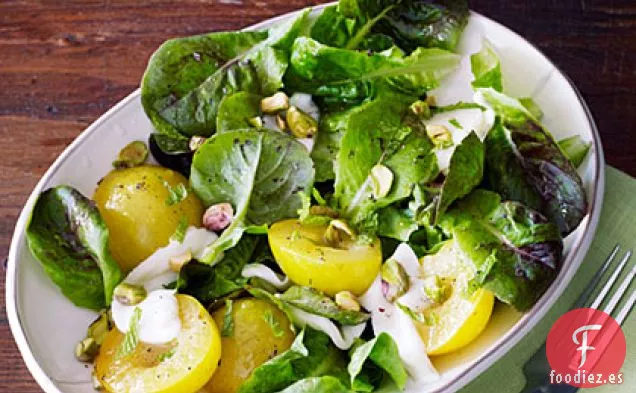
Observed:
{"x":312,"y":212}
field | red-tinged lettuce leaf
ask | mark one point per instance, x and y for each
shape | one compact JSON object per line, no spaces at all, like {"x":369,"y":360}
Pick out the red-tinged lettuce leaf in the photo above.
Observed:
{"x":524,"y":163}
{"x":68,"y":236}
{"x":515,"y":250}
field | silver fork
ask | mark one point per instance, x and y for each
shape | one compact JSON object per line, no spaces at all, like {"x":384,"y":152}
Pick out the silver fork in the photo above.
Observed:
{"x":537,"y":369}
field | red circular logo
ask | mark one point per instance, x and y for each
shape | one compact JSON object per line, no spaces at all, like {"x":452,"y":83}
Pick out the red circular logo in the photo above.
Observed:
{"x":586,"y":348}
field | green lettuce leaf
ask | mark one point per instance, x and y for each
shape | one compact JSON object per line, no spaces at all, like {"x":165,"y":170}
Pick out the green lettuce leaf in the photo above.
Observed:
{"x":236,"y":109}
{"x":413,"y":163}
{"x":332,"y":28}
{"x":409,"y":23}
{"x":211,"y":283}
{"x":311,"y":355}
{"x":332,"y":127}
{"x":575,"y":148}
{"x":486,"y":68}
{"x":351,"y":76}
{"x":532,"y":107}
{"x":383,"y":353}
{"x":326,"y":384}
{"x":379,"y":137}
{"x":69,"y":238}
{"x":414,"y":23}
{"x":524,"y":163}
{"x":314,"y":302}
{"x":465,"y":172}
{"x":187,"y":78}
{"x":341,"y":28}
{"x":261,"y":173}
{"x":178,"y":68}
{"x":427,"y":240}
{"x":377,"y":24}
{"x":396,"y":223}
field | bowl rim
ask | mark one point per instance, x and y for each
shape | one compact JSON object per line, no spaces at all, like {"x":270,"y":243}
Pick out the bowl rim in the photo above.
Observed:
{"x":503,"y":345}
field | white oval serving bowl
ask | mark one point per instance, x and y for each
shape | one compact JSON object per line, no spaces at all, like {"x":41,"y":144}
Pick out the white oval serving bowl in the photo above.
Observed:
{"x":46,"y":326}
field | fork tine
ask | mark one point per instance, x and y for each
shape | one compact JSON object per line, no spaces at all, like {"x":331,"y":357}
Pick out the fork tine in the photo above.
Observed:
{"x":601,"y":296}
{"x":622,"y":289}
{"x":585,"y":297}
{"x":587,"y":293}
{"x":620,"y":318}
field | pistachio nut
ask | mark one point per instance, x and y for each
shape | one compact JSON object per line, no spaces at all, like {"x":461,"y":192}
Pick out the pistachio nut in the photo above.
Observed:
{"x":440,"y":136}
{"x":129,"y":294}
{"x":98,"y":329}
{"x":323,"y":211}
{"x":280,"y":122}
{"x":255,"y":122}
{"x":395,"y":281}
{"x":337,"y":232}
{"x":301,"y":124}
{"x":421,"y":109}
{"x":218,"y":217}
{"x":381,"y":181}
{"x":86,"y":350}
{"x":275,"y":103}
{"x":178,"y":261}
{"x":133,"y":154}
{"x":196,"y":142}
{"x":437,"y":289}
{"x":347,"y":301}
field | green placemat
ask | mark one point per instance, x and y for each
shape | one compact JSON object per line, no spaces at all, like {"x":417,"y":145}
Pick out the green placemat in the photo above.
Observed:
{"x":617,"y":226}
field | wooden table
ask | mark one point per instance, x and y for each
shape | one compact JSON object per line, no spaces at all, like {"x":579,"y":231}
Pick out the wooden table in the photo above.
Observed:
{"x":64,"y":63}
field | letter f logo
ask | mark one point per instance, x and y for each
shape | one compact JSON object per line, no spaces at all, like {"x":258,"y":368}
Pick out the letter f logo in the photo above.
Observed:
{"x":584,"y":347}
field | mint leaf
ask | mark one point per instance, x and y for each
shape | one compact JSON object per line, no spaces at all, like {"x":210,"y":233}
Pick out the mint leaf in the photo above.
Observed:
{"x":182,"y":227}
{"x":273,"y":323}
{"x":228,"y":321}
{"x":456,"y":123}
{"x":436,"y":110}
{"x":175,"y":194}
{"x":131,"y":339}
{"x":166,"y":355}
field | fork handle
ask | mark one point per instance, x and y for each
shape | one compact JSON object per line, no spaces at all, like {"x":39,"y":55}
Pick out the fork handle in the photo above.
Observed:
{"x":550,"y":389}
{"x":537,"y":373}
